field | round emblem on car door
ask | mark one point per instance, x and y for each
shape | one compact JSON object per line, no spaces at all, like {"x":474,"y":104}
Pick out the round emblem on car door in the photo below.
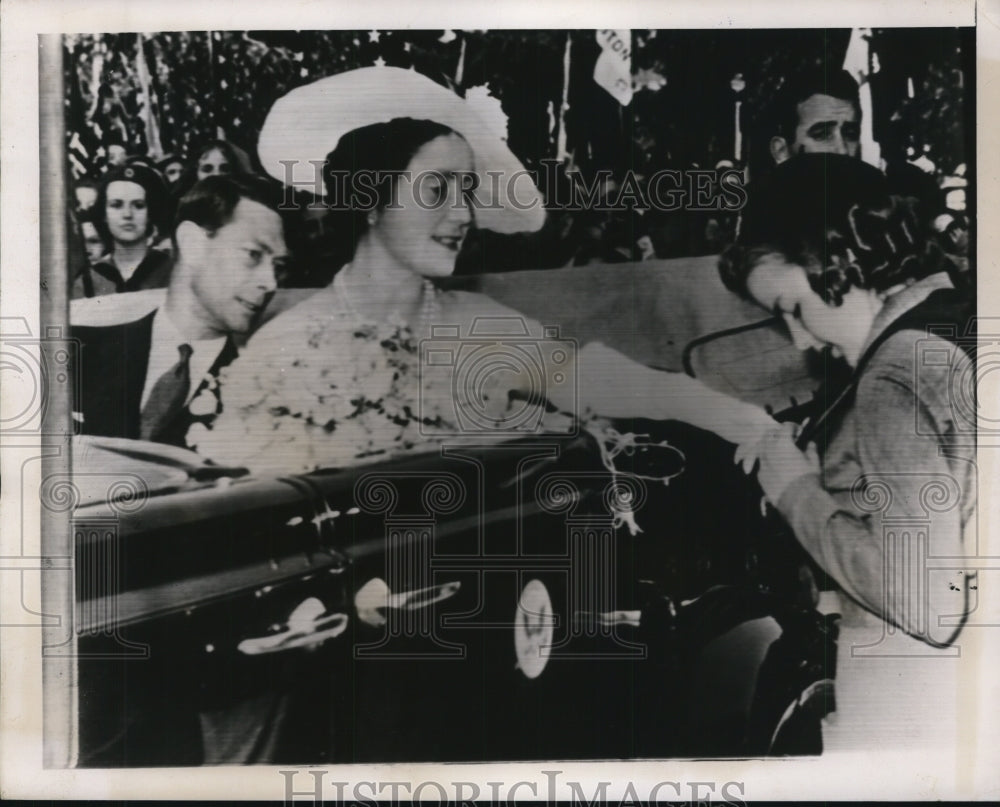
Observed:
{"x":534,"y":625}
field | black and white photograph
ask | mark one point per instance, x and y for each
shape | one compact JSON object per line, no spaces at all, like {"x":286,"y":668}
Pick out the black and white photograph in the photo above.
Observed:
{"x":411,"y":394}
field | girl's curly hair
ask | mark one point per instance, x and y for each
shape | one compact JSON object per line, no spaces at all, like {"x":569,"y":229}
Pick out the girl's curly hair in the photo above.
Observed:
{"x":835,"y":217}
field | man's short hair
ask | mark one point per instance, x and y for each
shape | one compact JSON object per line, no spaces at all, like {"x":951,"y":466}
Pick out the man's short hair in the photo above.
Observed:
{"x":211,"y":201}
{"x":804,"y":85}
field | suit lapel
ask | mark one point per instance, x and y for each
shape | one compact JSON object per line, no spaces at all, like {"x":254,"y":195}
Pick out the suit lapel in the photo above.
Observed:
{"x":207,"y":388}
{"x":112,"y":377}
{"x":226,"y":356}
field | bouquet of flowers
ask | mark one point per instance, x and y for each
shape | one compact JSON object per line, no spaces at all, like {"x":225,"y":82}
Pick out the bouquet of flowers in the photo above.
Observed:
{"x":341,"y":399}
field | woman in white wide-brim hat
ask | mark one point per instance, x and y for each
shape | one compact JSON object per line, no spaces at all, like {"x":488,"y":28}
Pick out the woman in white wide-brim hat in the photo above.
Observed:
{"x":408,"y":168}
{"x":305,"y":127}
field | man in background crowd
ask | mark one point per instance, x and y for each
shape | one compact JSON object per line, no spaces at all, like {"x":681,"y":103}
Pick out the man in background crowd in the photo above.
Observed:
{"x":817,"y":112}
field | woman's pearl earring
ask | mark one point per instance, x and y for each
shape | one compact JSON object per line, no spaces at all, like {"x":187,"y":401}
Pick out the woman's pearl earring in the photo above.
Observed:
{"x":372,"y":218}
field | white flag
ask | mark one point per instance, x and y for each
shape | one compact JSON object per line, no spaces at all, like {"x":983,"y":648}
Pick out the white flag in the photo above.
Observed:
{"x":153,"y":145}
{"x":856,"y":58}
{"x":613,"y":70}
{"x":856,"y":63}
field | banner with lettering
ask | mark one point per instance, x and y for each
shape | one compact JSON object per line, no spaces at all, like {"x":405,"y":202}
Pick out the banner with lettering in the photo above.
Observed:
{"x":613,"y":70}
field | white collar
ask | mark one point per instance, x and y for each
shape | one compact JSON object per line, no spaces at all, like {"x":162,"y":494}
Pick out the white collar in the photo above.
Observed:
{"x":163,"y":354}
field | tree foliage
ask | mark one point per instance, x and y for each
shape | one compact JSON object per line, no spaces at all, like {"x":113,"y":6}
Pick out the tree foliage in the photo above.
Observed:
{"x":221,"y":83}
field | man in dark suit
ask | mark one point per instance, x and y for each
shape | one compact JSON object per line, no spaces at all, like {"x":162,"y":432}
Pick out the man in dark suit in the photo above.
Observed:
{"x":155,"y":378}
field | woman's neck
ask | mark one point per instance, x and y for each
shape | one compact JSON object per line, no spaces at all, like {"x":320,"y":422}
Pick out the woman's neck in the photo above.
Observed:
{"x":866,"y":317}
{"x":379,"y":286}
{"x":127,"y":257}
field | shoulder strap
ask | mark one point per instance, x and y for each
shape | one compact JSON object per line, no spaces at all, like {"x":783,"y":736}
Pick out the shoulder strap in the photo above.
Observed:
{"x":948,"y":309}
{"x":88,"y":281}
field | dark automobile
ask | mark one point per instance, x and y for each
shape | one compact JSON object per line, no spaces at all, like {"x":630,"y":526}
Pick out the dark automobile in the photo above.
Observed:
{"x":528,"y":599}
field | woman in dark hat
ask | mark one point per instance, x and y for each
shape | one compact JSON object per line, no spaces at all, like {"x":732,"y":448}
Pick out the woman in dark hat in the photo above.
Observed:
{"x":130,"y":212}
{"x":883,"y":476}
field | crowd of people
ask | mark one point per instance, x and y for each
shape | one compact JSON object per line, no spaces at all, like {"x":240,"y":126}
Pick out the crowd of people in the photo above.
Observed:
{"x":125,"y":221}
{"x":122,"y":224}
{"x":857,"y":263}
{"x":122,"y":241}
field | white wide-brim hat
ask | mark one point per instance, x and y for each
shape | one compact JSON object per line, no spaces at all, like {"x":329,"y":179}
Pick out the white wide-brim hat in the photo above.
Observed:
{"x":307,"y":123}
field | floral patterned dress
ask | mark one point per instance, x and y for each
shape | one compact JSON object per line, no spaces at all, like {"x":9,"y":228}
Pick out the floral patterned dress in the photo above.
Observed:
{"x":322,"y":386}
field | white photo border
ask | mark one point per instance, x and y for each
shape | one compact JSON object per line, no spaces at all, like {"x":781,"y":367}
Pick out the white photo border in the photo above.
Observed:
{"x":972,"y":773}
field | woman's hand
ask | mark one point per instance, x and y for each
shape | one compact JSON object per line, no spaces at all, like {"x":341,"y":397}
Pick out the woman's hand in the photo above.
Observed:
{"x":780,"y":461}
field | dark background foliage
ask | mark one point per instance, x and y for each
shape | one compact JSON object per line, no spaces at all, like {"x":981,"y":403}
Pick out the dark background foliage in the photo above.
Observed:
{"x":223,"y":82}
{"x":173,"y":92}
